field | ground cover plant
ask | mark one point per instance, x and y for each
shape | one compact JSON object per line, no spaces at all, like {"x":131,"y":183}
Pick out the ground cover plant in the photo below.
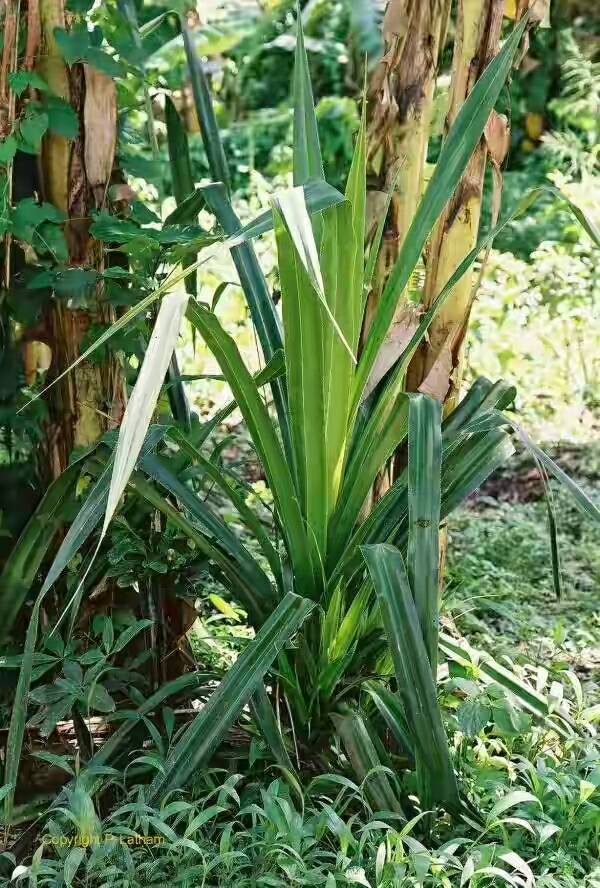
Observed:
{"x":398,"y":753}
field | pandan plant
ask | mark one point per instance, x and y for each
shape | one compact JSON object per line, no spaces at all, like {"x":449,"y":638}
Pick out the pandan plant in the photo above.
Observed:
{"x":357,"y":593}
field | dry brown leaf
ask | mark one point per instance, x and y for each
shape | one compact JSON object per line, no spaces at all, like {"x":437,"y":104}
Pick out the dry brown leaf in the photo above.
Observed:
{"x":123,"y":192}
{"x":539,"y":11}
{"x":497,"y":137}
{"x":100,"y":123}
{"x":394,"y":344}
{"x":396,"y":20}
{"x":437,"y":382}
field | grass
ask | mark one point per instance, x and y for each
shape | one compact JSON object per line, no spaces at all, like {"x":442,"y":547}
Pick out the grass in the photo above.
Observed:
{"x":499,"y":581}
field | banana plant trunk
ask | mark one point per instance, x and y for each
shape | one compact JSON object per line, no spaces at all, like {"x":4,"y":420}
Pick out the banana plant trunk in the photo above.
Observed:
{"x":401,"y":101}
{"x":437,"y":368}
{"x":75,"y":177}
{"x":403,"y":87}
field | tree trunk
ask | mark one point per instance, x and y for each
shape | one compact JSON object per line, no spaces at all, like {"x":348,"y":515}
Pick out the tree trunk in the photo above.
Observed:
{"x":401,"y":99}
{"x":437,"y":366}
{"x":401,"y":93}
{"x":75,"y":178}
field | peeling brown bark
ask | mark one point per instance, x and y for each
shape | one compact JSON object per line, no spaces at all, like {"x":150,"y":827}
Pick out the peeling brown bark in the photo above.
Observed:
{"x":400,"y":95}
{"x":438,"y":361}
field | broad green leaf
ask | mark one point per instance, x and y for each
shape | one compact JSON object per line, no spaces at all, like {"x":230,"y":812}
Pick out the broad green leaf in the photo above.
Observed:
{"x":354,"y":240}
{"x":343,"y":296}
{"x":304,"y":324}
{"x":291,"y":206}
{"x":424,"y":504}
{"x":511,"y":800}
{"x":491,"y":671}
{"x":202,"y":736}
{"x":413,"y":672}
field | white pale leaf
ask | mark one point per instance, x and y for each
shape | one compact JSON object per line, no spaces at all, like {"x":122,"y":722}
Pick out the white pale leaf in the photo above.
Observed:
{"x":291,"y":205}
{"x":144,"y":396}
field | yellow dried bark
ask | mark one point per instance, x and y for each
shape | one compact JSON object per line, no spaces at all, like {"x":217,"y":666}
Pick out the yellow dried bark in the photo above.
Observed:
{"x":437,"y":365}
{"x":401,"y":98}
{"x":400,"y":94}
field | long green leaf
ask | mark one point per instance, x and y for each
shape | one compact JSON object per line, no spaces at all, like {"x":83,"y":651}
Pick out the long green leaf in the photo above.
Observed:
{"x":466,"y":468}
{"x":262,"y":308}
{"x":413,"y":673}
{"x":255,"y":577}
{"x":264,"y":716}
{"x":182,"y":176}
{"x":354,"y":239}
{"x":274,"y":369}
{"x":90,"y":514}
{"x":318,"y":196}
{"x":304,"y":323}
{"x":235,"y":576}
{"x":365,"y":461}
{"x":203,"y":735}
{"x":366,"y":759}
{"x":25,"y":559}
{"x":467,"y":462}
{"x":390,"y":708}
{"x":248,"y":516}
{"x":580,"y":498}
{"x":265,"y":440}
{"x":308,"y":163}
{"x":373,"y":437}
{"x":209,"y":127}
{"x":424,"y":504}
{"x":116,"y":740}
{"x":18,"y":719}
{"x":291,"y":208}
